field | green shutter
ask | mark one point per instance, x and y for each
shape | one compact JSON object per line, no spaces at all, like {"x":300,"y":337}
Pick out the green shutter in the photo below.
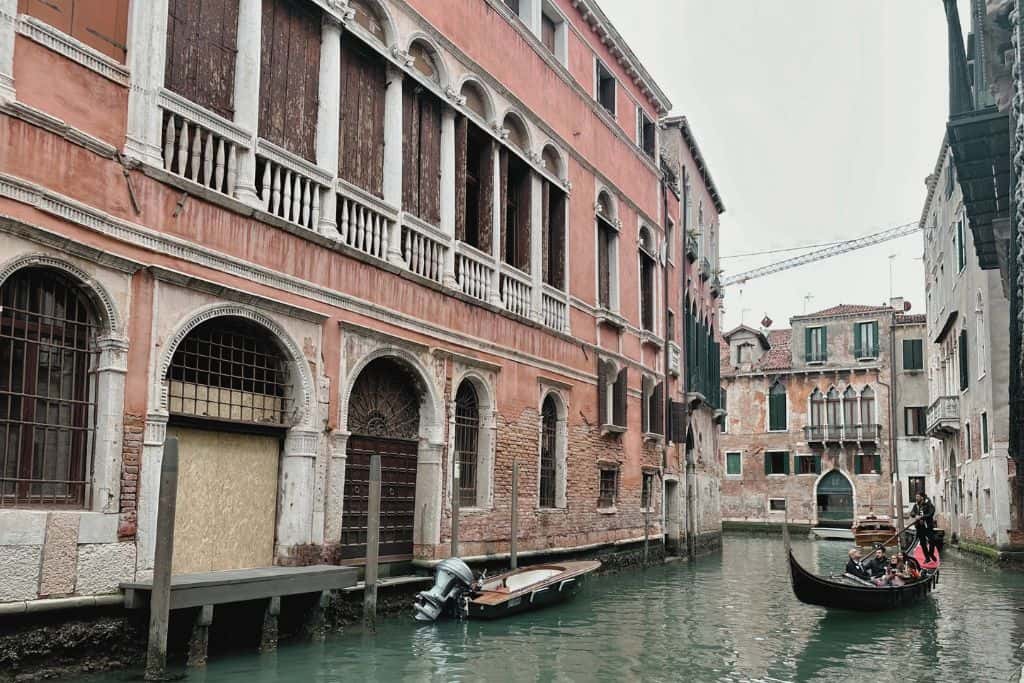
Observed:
{"x":984,"y":432}
{"x":878,"y":463}
{"x":767,"y":463}
{"x":824,"y":344}
{"x":817,"y":464}
{"x":874,"y":339}
{"x":908,"y":354}
{"x":857,"y":469}
{"x":785,"y":464}
{"x":964,"y":375}
{"x":807,"y":345}
{"x":857,"y":351}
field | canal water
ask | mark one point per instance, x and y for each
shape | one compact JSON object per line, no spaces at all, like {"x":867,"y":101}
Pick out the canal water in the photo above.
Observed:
{"x":730,"y":616}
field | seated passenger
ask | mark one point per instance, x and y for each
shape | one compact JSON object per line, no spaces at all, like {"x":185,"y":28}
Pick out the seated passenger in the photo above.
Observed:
{"x":876,"y":566}
{"x":910,"y":570}
{"x":854,"y":567}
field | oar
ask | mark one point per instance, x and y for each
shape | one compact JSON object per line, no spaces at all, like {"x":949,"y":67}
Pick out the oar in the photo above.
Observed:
{"x":897,"y":534}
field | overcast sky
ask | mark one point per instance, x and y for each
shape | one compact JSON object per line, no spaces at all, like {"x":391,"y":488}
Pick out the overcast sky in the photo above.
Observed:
{"x":819,"y":120}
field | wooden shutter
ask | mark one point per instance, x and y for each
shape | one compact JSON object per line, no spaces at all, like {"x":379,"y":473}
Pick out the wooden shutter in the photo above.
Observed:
{"x":964,"y":374}
{"x":878,"y":463}
{"x":603,"y":265}
{"x":556,"y":246}
{"x":487,"y":196}
{"x":524,"y":221}
{"x":767,"y":463}
{"x":785,"y":463}
{"x":461,"y":158}
{"x":621,"y":404}
{"x":857,"y":343}
{"x":201,"y":52}
{"x":874,"y":339}
{"x":657,"y":409}
{"x":410,"y":150}
{"x":824,"y":343}
{"x":56,"y":13}
{"x":808,"y":356}
{"x":858,"y":464}
{"x":908,"y":354}
{"x":817,"y":464}
{"x":545,"y":231}
{"x":503,"y":196}
{"x":430,"y":159}
{"x":602,"y":392}
{"x":678,"y":422}
{"x":361,"y":132}
{"x":289,"y":75}
{"x":102,"y":24}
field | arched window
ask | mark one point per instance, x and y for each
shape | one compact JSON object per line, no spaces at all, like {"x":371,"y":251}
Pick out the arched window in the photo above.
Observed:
{"x":367,"y":16}
{"x":777,"y":407}
{"x":817,"y":408}
{"x":475,"y":99}
{"x":867,"y":407}
{"x":48,"y":329}
{"x":648,"y":266}
{"x":607,"y":253}
{"x":516,"y":197}
{"x":516,"y":132}
{"x":553,"y":161}
{"x":467,"y":437}
{"x":548,"y":453}
{"x":850,"y":415}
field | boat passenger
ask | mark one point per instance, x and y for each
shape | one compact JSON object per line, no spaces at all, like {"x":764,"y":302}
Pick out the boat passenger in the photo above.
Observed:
{"x":876,"y":566}
{"x":854,"y":566}
{"x":910,"y":570}
{"x":924,"y":524}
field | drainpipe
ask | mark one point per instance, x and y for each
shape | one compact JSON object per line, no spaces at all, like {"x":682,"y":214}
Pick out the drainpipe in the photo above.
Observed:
{"x":897,"y":484}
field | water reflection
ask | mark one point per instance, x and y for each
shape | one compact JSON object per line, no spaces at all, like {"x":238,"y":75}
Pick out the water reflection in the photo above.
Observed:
{"x":727,"y":617}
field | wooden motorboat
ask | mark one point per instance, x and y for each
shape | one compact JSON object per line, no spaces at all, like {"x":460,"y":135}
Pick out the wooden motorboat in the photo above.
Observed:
{"x":528,"y":588}
{"x":844,"y":592}
{"x":872,"y":529}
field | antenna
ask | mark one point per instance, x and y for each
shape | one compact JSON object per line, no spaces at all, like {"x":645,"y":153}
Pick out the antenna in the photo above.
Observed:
{"x":892,"y":265}
{"x":807,"y":297}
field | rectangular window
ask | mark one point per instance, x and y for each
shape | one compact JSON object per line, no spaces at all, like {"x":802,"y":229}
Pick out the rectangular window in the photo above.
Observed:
{"x":984,"y":433}
{"x":777,"y":408}
{"x":723,"y":426}
{"x":647,"y":269}
{"x":553,"y":203}
{"x":913,"y":354}
{"x":776,"y":462}
{"x":100,"y":24}
{"x":670,"y":325}
{"x":964,"y":370}
{"x":734,"y":464}
{"x":915,"y":485}
{"x":968,"y":439}
{"x":516,"y":189}
{"x":865,"y":340}
{"x":647,"y":487}
{"x":474,"y":184}
{"x":645,"y":135}
{"x":816,"y":344}
{"x":808,"y":464}
{"x":961,"y":249}
{"x":867,"y":463}
{"x":776,"y":504}
{"x":607,"y":238}
{"x":605,"y":83}
{"x":361,"y":131}
{"x":914,"y":421}
{"x":608,"y":489}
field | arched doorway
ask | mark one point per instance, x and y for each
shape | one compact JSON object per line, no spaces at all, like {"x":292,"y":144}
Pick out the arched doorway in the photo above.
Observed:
{"x":229,"y":398}
{"x":835,"y":501}
{"x":384,"y":419}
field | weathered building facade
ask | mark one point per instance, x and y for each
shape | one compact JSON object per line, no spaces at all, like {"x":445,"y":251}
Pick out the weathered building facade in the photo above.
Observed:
{"x":296,"y":233}
{"x":968,"y":371}
{"x":809,"y":430}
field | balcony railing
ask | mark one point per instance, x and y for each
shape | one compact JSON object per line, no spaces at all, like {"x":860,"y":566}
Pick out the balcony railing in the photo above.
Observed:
{"x":516,"y":291}
{"x":944,"y":416}
{"x":199,"y":145}
{"x":833,"y":433}
{"x":474,"y":271}
{"x":423,"y":249}
{"x":365,"y":223}
{"x":814,"y":433}
{"x":290,"y":187}
{"x":555,"y":309}
{"x":869,"y":433}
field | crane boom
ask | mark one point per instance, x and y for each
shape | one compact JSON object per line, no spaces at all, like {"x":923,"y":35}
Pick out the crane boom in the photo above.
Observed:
{"x":827,"y":252}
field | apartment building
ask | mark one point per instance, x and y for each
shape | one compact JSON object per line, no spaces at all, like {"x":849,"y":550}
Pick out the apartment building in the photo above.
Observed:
{"x":297,"y":233}
{"x":809,"y":429}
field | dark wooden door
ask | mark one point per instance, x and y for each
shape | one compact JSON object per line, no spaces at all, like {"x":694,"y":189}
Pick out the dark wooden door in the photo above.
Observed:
{"x":397,"y":496}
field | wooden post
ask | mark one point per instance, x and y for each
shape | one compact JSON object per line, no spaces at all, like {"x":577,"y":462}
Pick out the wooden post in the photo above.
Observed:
{"x":372,"y":546}
{"x":514,"y":535}
{"x":647,"y":525}
{"x":456,"y":485}
{"x":160,"y":597}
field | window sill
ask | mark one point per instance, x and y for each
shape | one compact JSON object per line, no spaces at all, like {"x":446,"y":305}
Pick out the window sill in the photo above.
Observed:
{"x":777,"y":475}
{"x":608,"y":511}
{"x":869,"y":474}
{"x":610,"y":318}
{"x":807,"y":474}
{"x":734,"y":476}
{"x":866,"y":359}
{"x":653,"y":437}
{"x":778,"y":431}
{"x":820,"y":361}
{"x":649,"y":337}
{"x":612,"y":429}
{"x":474,"y":510}
{"x":551,"y":511}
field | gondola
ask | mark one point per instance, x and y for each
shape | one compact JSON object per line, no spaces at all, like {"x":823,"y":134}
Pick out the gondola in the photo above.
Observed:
{"x":846,"y":592}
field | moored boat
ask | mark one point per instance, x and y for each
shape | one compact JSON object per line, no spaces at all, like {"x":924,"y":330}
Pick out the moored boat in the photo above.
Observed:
{"x":872,"y":529}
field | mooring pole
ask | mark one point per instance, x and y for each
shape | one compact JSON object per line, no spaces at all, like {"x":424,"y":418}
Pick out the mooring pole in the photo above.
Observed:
{"x":647,"y":526}
{"x":513,"y":540}
{"x":160,"y":596}
{"x":456,"y":487}
{"x":372,"y":546}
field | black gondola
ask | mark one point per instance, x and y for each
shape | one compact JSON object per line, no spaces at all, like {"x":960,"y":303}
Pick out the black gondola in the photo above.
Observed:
{"x":847,"y":593}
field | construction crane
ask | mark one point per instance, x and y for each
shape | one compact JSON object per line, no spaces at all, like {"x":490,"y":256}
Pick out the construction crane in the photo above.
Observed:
{"x":827,"y":252}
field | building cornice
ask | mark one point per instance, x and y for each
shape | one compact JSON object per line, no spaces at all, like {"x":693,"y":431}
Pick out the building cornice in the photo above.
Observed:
{"x":683,"y":124}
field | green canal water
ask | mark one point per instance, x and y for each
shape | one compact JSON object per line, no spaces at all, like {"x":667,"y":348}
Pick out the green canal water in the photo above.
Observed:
{"x":727,"y":617}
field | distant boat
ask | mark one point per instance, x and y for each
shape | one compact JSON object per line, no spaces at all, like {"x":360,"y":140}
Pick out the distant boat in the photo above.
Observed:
{"x":832,"y":534}
{"x":871,"y":529}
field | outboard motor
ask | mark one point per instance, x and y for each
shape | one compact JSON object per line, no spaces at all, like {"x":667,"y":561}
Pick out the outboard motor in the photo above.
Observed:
{"x":452,"y":582}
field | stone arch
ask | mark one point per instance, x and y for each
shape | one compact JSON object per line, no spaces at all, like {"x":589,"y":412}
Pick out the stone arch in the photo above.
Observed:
{"x":518,"y":131}
{"x":373,"y":12}
{"x":103,"y":303}
{"x":304,"y":391}
{"x":605,"y":205}
{"x":421,"y":45}
{"x":486,"y":437}
{"x":485,"y":109}
{"x":554,"y":161}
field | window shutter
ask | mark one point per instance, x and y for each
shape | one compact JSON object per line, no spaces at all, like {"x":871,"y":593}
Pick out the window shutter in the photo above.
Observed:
{"x":658,"y":409}
{"x":964,"y":374}
{"x":602,"y":392}
{"x":620,"y":398}
{"x":857,"y":464}
{"x":857,"y":350}
{"x":785,"y":463}
{"x":678,"y":422}
{"x":807,"y":345}
{"x":874,"y":339}
{"x":486,"y":218}
{"x":824,"y":343}
{"x":817,"y":464}
{"x":908,"y":354}
{"x":646,"y":423}
{"x":503,"y":196}
{"x":767,"y":463}
{"x":461,"y":160}
{"x":878,"y":463}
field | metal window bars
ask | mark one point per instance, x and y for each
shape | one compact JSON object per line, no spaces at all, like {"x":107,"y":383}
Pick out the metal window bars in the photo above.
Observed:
{"x":467,"y":435}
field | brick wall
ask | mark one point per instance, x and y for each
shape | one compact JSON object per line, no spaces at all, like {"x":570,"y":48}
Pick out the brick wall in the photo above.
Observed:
{"x":131,"y":462}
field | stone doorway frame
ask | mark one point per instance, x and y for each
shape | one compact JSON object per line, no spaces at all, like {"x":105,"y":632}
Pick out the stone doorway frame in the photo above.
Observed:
{"x":853,"y":492}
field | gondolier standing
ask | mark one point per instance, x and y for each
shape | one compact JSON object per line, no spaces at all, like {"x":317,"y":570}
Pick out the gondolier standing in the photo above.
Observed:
{"x":924,"y":523}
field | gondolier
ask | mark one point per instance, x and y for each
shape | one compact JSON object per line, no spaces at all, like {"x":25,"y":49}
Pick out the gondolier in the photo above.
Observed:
{"x":924,"y":524}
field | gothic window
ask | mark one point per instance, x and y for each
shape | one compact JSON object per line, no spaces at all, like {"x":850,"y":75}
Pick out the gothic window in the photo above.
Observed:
{"x":48,"y":331}
{"x":548,"y":453}
{"x":607,"y":254}
{"x":835,"y":418}
{"x":817,"y":408}
{"x":467,"y":439}
{"x":867,"y":407}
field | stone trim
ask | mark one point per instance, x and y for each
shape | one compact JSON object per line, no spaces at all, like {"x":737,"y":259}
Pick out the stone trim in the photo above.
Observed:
{"x":41,"y":119}
{"x":72,"y":48}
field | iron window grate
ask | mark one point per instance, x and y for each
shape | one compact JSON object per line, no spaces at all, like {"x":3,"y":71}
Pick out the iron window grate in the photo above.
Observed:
{"x":467,"y":433}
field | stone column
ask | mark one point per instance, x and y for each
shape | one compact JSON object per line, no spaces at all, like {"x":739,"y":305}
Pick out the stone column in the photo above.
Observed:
{"x":149,"y":488}
{"x":110,"y":377}
{"x":337,"y":445}
{"x":328,"y":118}
{"x":8,"y":22}
{"x":448,"y":190}
{"x":496,"y":235}
{"x":247,"y":95}
{"x":297,"y":489}
{"x":561,"y":456}
{"x":393,"y":157}
{"x":427,"y":531}
{"x":537,"y":228}
{"x":147,"y":55}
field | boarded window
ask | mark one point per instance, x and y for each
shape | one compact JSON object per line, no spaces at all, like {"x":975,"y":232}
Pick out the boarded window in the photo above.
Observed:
{"x":423,"y":61}
{"x":100,"y":24}
{"x":474,"y":185}
{"x":421,"y":153}
{"x":515,"y":210}
{"x":289,"y":75}
{"x":361,"y":137}
{"x":553,"y":246}
{"x":201,"y":50}
{"x":367,"y":17}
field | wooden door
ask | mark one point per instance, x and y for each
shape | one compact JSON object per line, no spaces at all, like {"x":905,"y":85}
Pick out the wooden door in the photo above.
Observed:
{"x":227,"y":500}
{"x":397,"y":496}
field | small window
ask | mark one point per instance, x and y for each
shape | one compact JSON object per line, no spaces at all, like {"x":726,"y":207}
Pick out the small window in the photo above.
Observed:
{"x":647,"y":487}
{"x":734,"y":464}
{"x":670,"y":325}
{"x":776,"y":462}
{"x":645,"y":132}
{"x":605,"y":87}
{"x":961,"y":249}
{"x":914,"y":421}
{"x":745,"y":353}
{"x":776,"y":504}
{"x":816,"y":346}
{"x":609,"y":488}
{"x":915,"y":485}
{"x":867,"y":463}
{"x":913,"y":354}
{"x":968,"y":439}
{"x":808,"y":464}
{"x":865,"y":340}
{"x":984,"y":434}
